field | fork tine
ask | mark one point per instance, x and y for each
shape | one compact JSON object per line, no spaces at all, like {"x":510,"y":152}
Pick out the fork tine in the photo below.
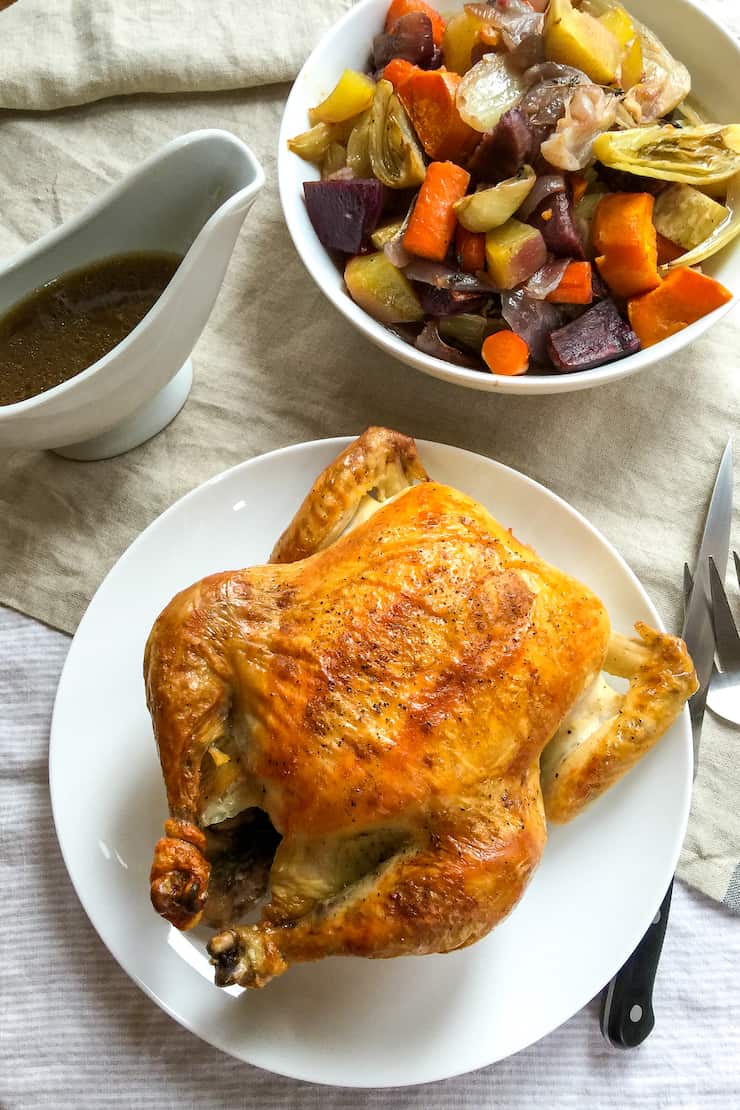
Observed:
{"x":736,"y":560}
{"x":688,"y":585}
{"x":725,"y":632}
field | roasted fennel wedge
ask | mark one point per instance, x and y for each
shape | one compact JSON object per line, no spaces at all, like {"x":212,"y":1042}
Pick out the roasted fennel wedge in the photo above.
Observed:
{"x":703,"y":156}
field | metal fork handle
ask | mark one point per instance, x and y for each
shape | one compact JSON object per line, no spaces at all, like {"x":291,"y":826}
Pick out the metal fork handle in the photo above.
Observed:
{"x":627,"y":1015}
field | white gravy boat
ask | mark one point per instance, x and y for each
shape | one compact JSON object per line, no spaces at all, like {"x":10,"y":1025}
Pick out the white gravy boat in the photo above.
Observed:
{"x":191,"y":198}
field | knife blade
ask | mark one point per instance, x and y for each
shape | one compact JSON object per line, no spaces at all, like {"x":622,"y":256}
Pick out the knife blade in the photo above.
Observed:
{"x":627,"y":1015}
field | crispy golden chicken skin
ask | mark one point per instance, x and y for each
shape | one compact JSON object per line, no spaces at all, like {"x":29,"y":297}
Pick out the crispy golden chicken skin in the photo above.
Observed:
{"x":359,"y":725}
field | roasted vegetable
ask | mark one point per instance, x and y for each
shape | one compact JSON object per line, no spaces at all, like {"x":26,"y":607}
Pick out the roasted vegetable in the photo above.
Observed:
{"x":617,"y":20}
{"x":513,"y":253}
{"x":534,"y":320}
{"x":681,"y":299}
{"x":352,"y":94}
{"x":376,"y":285}
{"x":401,"y":8}
{"x":517,"y":20}
{"x":384,"y":234}
{"x":722,"y":235}
{"x":469,"y":330}
{"x":488,"y":90}
{"x":343,"y":213}
{"x":334,"y":160}
{"x":432,"y":223}
{"x":397,"y":70}
{"x":470,"y":250}
{"x":623,"y":235}
{"x":575,"y":286}
{"x":461,"y":35}
{"x":448,"y":302}
{"x":358,"y":146}
{"x":503,"y":151}
{"x":429,"y":99}
{"x":600,"y":335}
{"x":489,"y":208}
{"x":663,"y":82}
{"x":431,"y":343}
{"x":686,"y":216}
{"x":577,"y":39}
{"x":312,"y":145}
{"x":554,"y":219}
{"x":395,"y":154}
{"x":506,"y":353}
{"x":583,"y":218}
{"x":667,"y":251}
{"x":588,"y":111}
{"x":706,"y":155}
{"x":410,"y":40}
{"x":546,"y":279}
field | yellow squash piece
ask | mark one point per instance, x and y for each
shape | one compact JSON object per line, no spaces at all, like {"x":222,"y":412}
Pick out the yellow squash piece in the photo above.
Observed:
{"x":385,"y":292}
{"x":461,"y":35}
{"x":577,"y":39}
{"x":352,"y":94}
{"x":619,"y":22}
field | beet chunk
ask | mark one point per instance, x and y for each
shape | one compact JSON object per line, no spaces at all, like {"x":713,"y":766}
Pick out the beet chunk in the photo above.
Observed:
{"x":502,"y":152}
{"x":554,"y":218}
{"x":599,"y":336}
{"x":410,"y":38}
{"x":343,"y":212}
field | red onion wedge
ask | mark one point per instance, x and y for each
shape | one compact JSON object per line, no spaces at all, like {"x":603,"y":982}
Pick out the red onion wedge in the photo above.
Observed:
{"x":547,"y":279}
{"x":430,"y":342}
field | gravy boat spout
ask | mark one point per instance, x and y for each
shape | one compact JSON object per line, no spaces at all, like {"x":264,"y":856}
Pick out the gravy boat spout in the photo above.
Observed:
{"x":189,"y":198}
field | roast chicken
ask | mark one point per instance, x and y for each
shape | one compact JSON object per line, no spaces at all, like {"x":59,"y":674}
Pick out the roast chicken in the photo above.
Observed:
{"x":365,"y":739}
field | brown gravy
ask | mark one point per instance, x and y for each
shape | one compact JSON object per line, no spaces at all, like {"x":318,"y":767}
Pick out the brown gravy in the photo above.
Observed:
{"x":65,"y":326}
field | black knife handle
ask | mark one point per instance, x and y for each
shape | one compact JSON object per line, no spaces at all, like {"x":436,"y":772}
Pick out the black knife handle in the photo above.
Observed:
{"x":627,"y":1016}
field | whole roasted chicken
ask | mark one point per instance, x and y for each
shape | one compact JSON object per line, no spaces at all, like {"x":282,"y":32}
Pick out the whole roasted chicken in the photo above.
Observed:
{"x":375,"y":728}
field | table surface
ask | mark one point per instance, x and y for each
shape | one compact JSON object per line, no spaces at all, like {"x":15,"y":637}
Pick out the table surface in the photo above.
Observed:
{"x":76,"y":1032}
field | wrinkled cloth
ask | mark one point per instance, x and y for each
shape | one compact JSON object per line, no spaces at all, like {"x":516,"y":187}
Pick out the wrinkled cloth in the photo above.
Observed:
{"x":56,"y":53}
{"x":277,"y":365}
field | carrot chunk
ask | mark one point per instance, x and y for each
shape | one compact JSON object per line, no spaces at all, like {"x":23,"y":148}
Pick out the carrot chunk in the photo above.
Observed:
{"x":668,"y":251}
{"x":576,"y":285}
{"x":681,"y":299}
{"x":625,"y":239}
{"x":398,"y":70}
{"x":505,"y":352}
{"x":433,"y":221}
{"x":429,"y":98}
{"x":470,"y":248}
{"x":400,"y":8}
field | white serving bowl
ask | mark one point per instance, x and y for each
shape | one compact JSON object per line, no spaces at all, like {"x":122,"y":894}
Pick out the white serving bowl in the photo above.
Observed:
{"x":713,"y":58}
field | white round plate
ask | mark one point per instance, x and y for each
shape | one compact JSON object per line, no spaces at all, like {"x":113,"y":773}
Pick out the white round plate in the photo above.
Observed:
{"x":351,"y":1022}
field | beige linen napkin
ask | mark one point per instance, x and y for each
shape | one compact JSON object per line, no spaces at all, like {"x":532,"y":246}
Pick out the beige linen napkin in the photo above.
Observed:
{"x":55,"y":54}
{"x":276,"y":364}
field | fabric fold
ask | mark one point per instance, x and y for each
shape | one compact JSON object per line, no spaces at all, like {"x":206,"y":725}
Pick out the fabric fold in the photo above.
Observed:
{"x":55,"y":55}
